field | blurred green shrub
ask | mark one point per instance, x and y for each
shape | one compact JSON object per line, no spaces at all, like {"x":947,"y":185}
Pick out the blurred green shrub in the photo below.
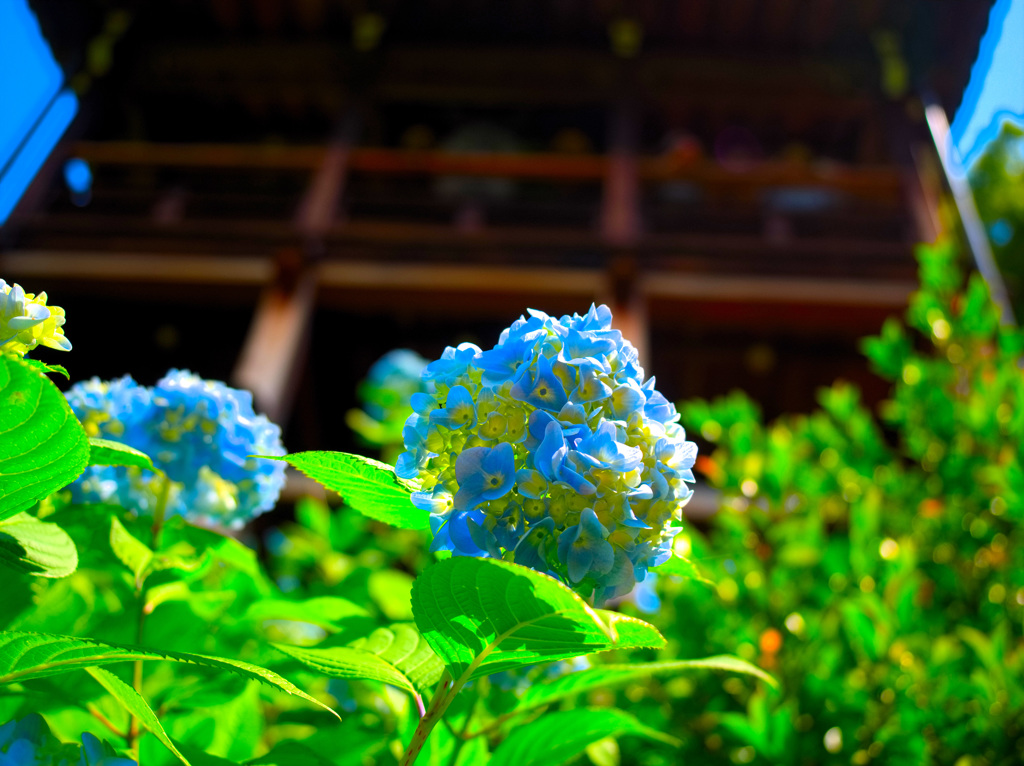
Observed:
{"x":997,"y":179}
{"x":874,"y":565}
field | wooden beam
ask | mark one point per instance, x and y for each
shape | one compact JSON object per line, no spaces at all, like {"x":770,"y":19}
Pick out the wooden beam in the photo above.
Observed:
{"x":461,"y":278}
{"x":393,"y":278}
{"x":876,"y":183}
{"x":152,"y":267}
{"x":777,"y":290}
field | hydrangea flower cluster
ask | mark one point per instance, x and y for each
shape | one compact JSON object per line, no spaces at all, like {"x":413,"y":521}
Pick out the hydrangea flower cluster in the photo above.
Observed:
{"x":200,"y":433}
{"x":551,"y":450}
{"x":385,"y":394}
{"x":29,"y":742}
{"x":26,"y":321}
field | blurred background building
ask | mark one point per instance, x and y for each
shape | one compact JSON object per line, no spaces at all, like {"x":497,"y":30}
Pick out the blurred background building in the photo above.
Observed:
{"x":276,"y":192}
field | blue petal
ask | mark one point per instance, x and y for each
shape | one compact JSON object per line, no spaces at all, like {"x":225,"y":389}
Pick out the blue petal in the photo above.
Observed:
{"x":461,"y":537}
{"x":408,"y":466}
{"x":543,"y":389}
{"x":549,"y":455}
{"x":626,"y":400}
{"x":436,"y":501}
{"x":580,"y":559}
{"x":422,"y":403}
{"x":590,"y":387}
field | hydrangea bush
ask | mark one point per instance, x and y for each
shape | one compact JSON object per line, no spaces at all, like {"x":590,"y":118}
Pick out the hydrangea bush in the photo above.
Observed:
{"x":551,"y":450}
{"x":547,"y":455}
{"x":201,"y":434}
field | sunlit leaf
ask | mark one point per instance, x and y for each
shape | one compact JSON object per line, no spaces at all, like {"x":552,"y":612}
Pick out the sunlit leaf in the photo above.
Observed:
{"x":44,"y":367}
{"x":36,"y":547}
{"x":43,"y":447}
{"x":347,"y":662}
{"x":136,"y":705}
{"x":325,"y":611}
{"x":611,"y":676}
{"x":683,"y":567}
{"x":106,"y":452}
{"x":369,"y":486}
{"x":130,"y":551}
{"x":559,"y":737}
{"x":482,"y":616}
{"x":395,"y":655}
{"x":403,"y":646}
{"x":25,"y":655}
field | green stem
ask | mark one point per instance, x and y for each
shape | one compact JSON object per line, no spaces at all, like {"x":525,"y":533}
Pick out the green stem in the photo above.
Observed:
{"x":460,"y":738}
{"x":439,"y":703}
{"x":159,"y":512}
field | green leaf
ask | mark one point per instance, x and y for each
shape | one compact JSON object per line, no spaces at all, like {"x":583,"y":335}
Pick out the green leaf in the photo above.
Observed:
{"x":136,"y":705}
{"x":483,"y":616}
{"x":390,"y":590}
{"x":25,"y":655}
{"x":200,"y":757}
{"x":611,"y":676}
{"x":44,"y":367}
{"x":559,"y":737}
{"x":369,"y":486}
{"x":36,"y":547}
{"x":325,"y":611}
{"x":43,"y":447}
{"x":604,"y":752}
{"x":347,"y":662}
{"x":683,"y":567}
{"x":175,"y":590}
{"x":290,"y":753}
{"x":179,"y":556}
{"x":106,"y":452}
{"x":131,"y":551}
{"x":403,"y":646}
{"x":395,"y":655}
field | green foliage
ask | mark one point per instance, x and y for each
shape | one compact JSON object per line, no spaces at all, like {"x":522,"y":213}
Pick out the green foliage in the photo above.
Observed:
{"x":874,"y":564}
{"x":346,"y":662}
{"x":24,"y":656}
{"x":559,"y":737}
{"x":30,"y":545}
{"x":106,"y":452}
{"x":403,"y":646}
{"x":395,"y":655}
{"x":997,"y":179}
{"x":42,"y":445}
{"x":613,"y":676}
{"x":47,"y":368}
{"x":367,"y":485}
{"x":136,"y":705}
{"x":484,"y":616}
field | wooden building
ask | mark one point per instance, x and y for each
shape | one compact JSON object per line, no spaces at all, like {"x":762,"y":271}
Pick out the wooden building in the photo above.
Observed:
{"x":283,"y":190}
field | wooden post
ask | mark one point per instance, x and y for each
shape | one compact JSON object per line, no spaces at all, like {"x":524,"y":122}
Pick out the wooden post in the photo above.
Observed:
{"x":621,"y":227}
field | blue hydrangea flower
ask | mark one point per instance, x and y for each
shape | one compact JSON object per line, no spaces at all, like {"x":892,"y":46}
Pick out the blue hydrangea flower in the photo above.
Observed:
{"x":29,"y":742}
{"x":385,"y":395}
{"x":199,"y":432}
{"x":551,"y":449}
